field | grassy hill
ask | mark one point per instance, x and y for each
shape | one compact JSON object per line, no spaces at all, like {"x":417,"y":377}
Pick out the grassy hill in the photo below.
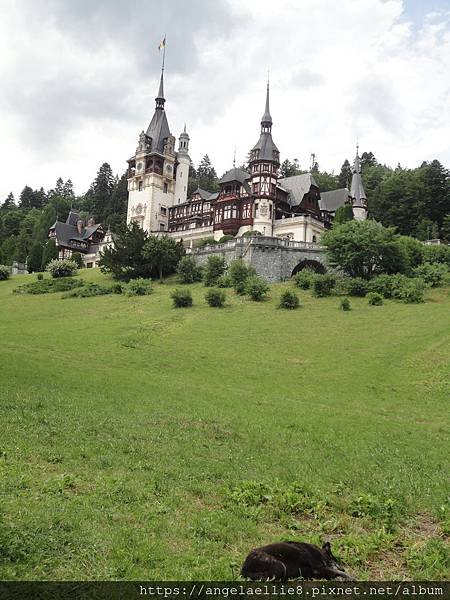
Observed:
{"x":143,"y":442}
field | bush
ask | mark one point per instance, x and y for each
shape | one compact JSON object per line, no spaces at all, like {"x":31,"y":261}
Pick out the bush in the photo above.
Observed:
{"x":181,"y":298}
{"x":375,"y":299}
{"x":77,"y":259}
{"x":47,"y":286}
{"x":289,"y":300}
{"x":188,"y":271}
{"x":90,"y":289}
{"x":437,"y":254}
{"x":207,"y":242}
{"x":388,"y":285}
{"x":411,"y":292}
{"x":239,"y":272}
{"x":139,"y":287}
{"x":215,"y":268}
{"x":226,"y":238}
{"x":304,"y":279}
{"x":215,"y":297}
{"x":256,"y":288}
{"x":323,"y":285}
{"x":224,"y":281}
{"x":253,"y":233}
{"x":40,"y":276}
{"x":356,"y":286}
{"x":433,"y":274}
{"x":4,"y":272}
{"x":61,"y":268}
{"x":116,"y":288}
{"x":345,"y":304}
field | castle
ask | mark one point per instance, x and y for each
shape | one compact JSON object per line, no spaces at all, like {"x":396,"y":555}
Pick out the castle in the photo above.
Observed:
{"x":253,"y":202}
{"x":257,"y":200}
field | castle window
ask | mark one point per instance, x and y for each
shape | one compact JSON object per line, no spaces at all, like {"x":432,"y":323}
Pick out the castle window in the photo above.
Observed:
{"x":314,"y":239}
{"x":165,"y":187}
{"x":140,"y":186}
{"x":163,"y":210}
{"x":162,"y":226}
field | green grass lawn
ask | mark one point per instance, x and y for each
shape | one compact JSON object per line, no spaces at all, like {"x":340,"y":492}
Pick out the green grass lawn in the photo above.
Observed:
{"x":143,"y":442}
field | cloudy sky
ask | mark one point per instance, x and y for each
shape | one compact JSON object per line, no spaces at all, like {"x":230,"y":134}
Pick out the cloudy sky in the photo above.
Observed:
{"x":79,"y":77}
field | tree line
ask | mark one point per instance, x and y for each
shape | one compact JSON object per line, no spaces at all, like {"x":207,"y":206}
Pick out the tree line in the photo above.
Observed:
{"x":414,"y":201}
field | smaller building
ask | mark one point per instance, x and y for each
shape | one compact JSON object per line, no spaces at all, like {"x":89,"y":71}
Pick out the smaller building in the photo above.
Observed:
{"x":77,"y":236}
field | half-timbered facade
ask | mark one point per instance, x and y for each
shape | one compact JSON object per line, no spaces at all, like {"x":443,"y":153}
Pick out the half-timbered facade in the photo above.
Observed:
{"x":74,"y":235}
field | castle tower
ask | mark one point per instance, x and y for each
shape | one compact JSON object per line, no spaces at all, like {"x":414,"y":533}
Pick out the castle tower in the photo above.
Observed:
{"x":357,"y":193}
{"x":264,"y":165}
{"x":182,"y":169}
{"x":151,"y":172}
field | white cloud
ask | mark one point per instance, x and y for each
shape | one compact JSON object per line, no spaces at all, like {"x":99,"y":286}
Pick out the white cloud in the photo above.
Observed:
{"x":70,"y":101}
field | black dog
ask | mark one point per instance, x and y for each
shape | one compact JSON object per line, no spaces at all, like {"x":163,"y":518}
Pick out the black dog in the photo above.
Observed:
{"x":291,"y":560}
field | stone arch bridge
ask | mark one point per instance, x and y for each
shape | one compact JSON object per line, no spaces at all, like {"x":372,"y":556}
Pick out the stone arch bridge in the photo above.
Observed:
{"x":272,"y":258}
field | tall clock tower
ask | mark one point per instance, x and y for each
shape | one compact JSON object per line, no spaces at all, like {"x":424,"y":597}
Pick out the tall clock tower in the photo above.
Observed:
{"x":154,"y":169}
{"x":264,"y":166}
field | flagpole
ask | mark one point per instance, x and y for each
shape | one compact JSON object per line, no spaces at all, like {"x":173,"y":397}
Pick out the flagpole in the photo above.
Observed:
{"x":164,"y":52}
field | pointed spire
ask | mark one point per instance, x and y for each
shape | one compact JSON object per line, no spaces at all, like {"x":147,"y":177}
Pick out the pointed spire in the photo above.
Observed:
{"x":160,"y":97}
{"x":266,"y":118}
{"x":357,"y":192}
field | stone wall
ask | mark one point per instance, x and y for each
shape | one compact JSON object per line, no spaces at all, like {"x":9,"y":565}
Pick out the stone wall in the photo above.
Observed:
{"x":272,"y":258}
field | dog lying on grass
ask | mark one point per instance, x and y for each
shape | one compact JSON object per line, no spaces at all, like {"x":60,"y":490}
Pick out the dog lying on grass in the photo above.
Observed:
{"x":291,"y":560}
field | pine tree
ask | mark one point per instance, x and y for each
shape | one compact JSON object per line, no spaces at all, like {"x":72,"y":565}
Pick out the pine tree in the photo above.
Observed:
{"x":207,"y":176}
{"x":26,"y":197}
{"x":345,"y":176}
{"x":436,"y":181}
{"x":102,"y":189}
{"x":35,"y":257}
{"x":289,"y":169}
{"x":119,"y":203}
{"x":9,"y":202}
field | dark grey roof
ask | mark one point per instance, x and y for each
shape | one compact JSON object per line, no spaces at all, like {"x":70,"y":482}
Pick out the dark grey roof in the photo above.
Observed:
{"x":158,"y":130}
{"x":357,"y":192}
{"x":235,"y":175}
{"x":214,"y":196}
{"x":266,"y":118}
{"x":266,"y":146}
{"x":204,"y":194}
{"x":73,"y":217}
{"x":334,"y":199}
{"x":297,"y":186}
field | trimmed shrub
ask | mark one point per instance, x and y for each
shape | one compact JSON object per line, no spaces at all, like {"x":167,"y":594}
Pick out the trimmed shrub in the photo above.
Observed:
{"x":289,"y":300}
{"x":304,"y":279}
{"x":4,"y":272}
{"x":226,"y":238}
{"x":215,"y":268}
{"x":345,"y":304}
{"x":224,"y":281}
{"x":188,"y":271}
{"x":433,"y":274}
{"x":77,"y":259}
{"x":356,"y":286}
{"x":61,"y":268}
{"x":323,"y":285}
{"x":139,"y":287}
{"x":256,"y":288}
{"x":181,"y":298}
{"x":374,"y":299}
{"x":40,"y":276}
{"x":215,"y":297}
{"x":90,"y":289}
{"x":47,"y":286}
{"x":240,"y":288}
